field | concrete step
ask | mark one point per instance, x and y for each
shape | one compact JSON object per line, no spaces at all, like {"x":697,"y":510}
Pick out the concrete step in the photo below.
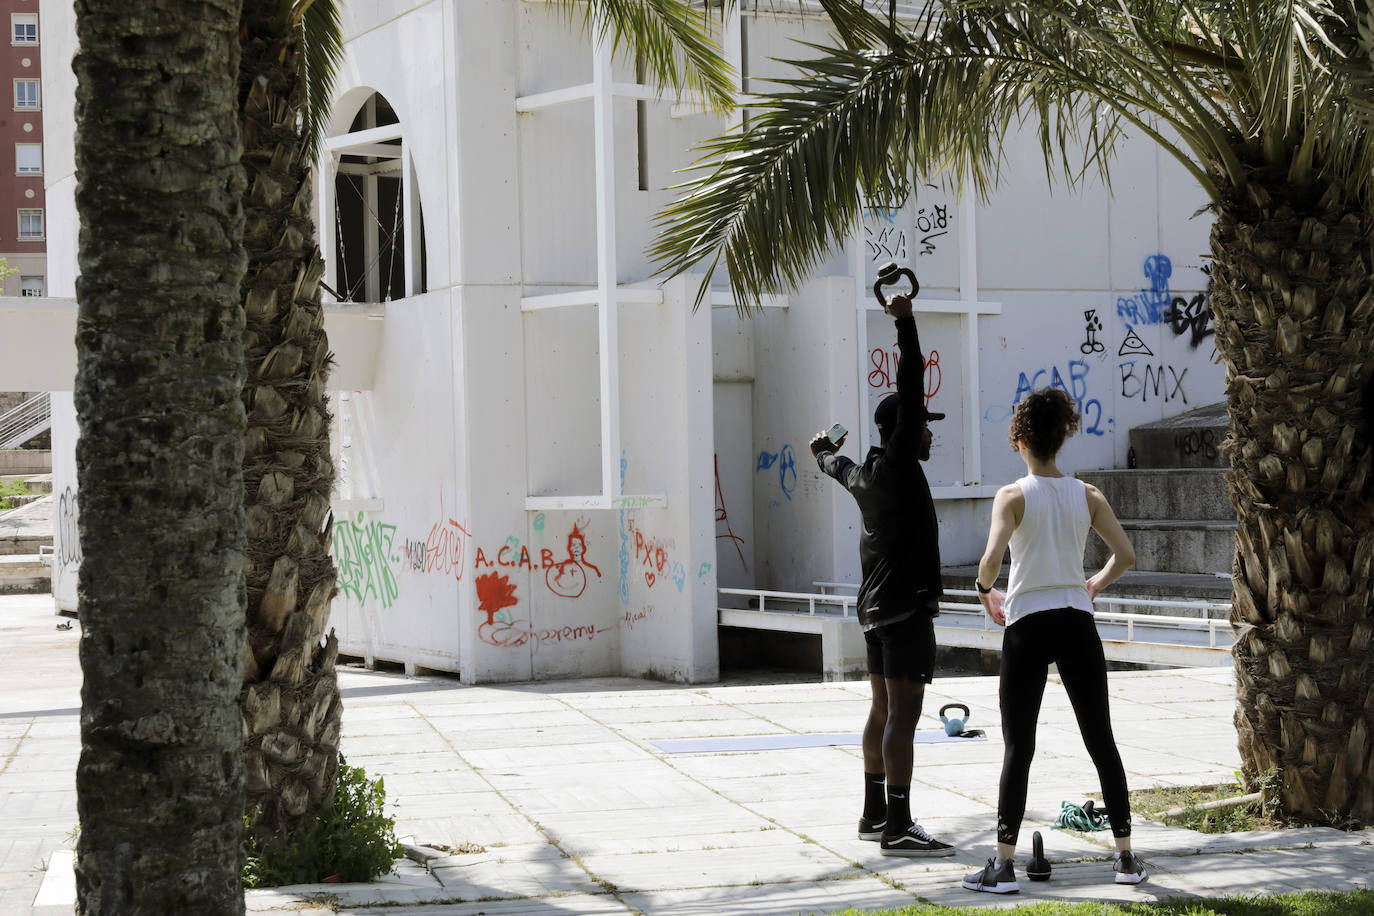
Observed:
{"x":23,"y":544}
{"x":1200,"y":546}
{"x":39,"y":484}
{"x":1165,"y":493}
{"x":25,"y":574}
{"x":1189,"y":440}
{"x":1150,"y":586}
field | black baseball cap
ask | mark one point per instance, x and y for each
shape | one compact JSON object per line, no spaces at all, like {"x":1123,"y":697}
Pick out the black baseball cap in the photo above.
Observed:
{"x":885,"y":416}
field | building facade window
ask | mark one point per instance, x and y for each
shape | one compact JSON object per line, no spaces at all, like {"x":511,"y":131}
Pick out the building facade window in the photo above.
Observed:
{"x":28,"y":159}
{"x":30,"y":224}
{"x":24,"y":28}
{"x":26,"y":95}
{"x":31,"y":286}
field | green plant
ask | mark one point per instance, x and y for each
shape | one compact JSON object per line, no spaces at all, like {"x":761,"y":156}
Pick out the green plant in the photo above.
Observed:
{"x":11,"y":486}
{"x":353,"y":839}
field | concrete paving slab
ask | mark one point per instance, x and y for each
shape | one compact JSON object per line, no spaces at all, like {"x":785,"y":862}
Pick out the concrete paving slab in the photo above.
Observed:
{"x":557,"y":786}
{"x":560,"y":905}
{"x":811,"y":897}
{"x":764,"y":865}
{"x":514,"y":871}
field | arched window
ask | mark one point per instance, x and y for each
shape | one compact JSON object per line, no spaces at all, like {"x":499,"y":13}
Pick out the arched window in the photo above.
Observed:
{"x":378,"y":251}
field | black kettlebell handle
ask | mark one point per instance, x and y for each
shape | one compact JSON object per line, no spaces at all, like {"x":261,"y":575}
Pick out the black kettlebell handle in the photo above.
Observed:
{"x":889,"y":274}
{"x":955,"y":706}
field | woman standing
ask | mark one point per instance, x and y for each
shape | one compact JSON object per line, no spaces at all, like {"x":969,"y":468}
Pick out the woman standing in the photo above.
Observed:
{"x":1048,"y":613}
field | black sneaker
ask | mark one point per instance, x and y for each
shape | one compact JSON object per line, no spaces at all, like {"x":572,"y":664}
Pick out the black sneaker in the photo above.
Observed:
{"x":1129,"y":869}
{"x":994,"y":878}
{"x":914,"y":842}
{"x":871,"y":829}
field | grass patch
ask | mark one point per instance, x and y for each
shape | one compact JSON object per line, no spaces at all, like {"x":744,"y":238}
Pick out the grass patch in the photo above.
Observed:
{"x":11,"y":486}
{"x":1152,"y":803}
{"x":1357,"y":903}
{"x":1260,"y":815}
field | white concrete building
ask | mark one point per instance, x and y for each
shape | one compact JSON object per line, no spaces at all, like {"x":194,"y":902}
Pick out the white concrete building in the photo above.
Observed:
{"x":549,"y":461}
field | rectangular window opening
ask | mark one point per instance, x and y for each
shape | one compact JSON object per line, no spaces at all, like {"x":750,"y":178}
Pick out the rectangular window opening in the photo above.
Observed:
{"x":28,"y":159}
{"x":31,"y":286}
{"x":30,"y":224}
{"x":24,"y":28}
{"x":26,"y":95}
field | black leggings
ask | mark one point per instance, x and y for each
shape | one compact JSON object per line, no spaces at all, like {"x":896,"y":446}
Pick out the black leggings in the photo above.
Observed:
{"x":1068,"y":637}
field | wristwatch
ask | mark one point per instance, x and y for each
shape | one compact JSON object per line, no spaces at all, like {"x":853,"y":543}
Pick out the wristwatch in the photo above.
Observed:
{"x":981,"y":590}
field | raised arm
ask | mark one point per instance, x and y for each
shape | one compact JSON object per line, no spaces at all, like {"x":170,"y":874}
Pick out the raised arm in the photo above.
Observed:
{"x":910,"y":383}
{"x":1105,"y":523}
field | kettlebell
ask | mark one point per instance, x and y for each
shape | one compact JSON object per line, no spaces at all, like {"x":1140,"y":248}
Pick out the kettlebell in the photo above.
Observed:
{"x":1038,"y":868}
{"x":953,"y":727}
{"x":889,"y":274}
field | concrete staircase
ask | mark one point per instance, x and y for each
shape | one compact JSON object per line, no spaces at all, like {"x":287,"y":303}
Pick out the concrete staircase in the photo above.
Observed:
{"x":26,"y":541}
{"x":1174,"y":507}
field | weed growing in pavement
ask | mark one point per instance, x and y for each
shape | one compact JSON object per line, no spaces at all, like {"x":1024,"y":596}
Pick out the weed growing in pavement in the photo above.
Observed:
{"x":353,"y":839}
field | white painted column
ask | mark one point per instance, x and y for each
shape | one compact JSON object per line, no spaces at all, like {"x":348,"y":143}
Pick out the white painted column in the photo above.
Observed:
{"x":968,"y":292}
{"x":326,"y":168}
{"x":410,"y":230}
{"x":608,"y":313}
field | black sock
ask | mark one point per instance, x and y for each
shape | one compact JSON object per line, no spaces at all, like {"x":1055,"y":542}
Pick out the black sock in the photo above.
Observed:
{"x":898,"y":809}
{"x":875,"y":796}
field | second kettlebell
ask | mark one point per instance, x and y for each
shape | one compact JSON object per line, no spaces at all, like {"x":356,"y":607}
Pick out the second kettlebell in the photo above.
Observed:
{"x":954,"y":726}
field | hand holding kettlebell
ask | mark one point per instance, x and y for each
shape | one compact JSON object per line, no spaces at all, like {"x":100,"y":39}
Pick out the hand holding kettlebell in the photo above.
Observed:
{"x":889,"y":274}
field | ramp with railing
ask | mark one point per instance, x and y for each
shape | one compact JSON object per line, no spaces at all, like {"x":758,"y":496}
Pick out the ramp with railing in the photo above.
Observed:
{"x":25,"y":421}
{"x":1202,"y":640}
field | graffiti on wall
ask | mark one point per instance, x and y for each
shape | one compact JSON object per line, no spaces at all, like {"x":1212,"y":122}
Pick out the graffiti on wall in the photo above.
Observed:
{"x":1074,"y":383}
{"x":785,"y":460}
{"x":1160,"y":382}
{"x":883,"y":375}
{"x":885,"y":239}
{"x":363,"y":555}
{"x":1157,"y":305}
{"x":723,"y":518}
{"x":1092,"y":327}
{"x":68,"y":533}
{"x":567,"y":578}
{"x":442,"y":551}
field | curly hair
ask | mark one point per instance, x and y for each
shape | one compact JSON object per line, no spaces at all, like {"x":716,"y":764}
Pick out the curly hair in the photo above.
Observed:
{"x":1044,"y":419}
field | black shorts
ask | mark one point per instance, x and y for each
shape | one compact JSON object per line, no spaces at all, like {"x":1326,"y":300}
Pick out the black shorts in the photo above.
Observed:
{"x":903,"y":651}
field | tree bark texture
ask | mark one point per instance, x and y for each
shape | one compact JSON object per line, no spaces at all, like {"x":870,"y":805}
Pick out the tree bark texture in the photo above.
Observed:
{"x":159,"y":378}
{"x":1294,"y":312}
{"x":290,"y":701}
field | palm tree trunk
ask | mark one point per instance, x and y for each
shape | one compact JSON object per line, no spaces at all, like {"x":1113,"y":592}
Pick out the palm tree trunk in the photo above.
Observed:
{"x":159,"y":374}
{"x":291,"y":704}
{"x":1291,"y":288}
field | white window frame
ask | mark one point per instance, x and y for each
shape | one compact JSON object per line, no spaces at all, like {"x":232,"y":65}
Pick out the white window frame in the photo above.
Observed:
{"x":42,"y":229}
{"x":27,"y":286}
{"x":23,"y":19}
{"x":18,"y":165}
{"x":37,"y":95}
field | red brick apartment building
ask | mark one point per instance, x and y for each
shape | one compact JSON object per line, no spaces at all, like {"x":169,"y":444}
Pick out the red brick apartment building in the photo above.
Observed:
{"x":23,"y":232}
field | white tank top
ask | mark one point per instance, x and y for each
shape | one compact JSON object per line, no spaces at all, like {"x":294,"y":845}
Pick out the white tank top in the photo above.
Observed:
{"x":1047,"y":548}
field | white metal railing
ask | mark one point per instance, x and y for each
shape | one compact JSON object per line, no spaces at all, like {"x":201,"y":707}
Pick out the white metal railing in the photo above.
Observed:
{"x":25,"y":421}
{"x":1169,"y":630}
{"x":847,"y":603}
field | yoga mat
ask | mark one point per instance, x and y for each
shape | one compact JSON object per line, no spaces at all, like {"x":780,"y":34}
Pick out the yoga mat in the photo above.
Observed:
{"x":784,"y":742}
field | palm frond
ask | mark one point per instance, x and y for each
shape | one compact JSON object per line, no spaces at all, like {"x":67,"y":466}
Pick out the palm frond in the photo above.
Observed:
{"x":1213,"y":82}
{"x":322,"y":51}
{"x":677,"y":45}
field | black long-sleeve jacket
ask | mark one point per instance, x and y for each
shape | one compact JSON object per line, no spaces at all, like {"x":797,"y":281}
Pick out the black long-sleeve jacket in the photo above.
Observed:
{"x":899,"y":550}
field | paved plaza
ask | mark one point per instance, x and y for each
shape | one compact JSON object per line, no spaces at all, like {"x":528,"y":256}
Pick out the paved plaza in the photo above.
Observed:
{"x":556,"y":798}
